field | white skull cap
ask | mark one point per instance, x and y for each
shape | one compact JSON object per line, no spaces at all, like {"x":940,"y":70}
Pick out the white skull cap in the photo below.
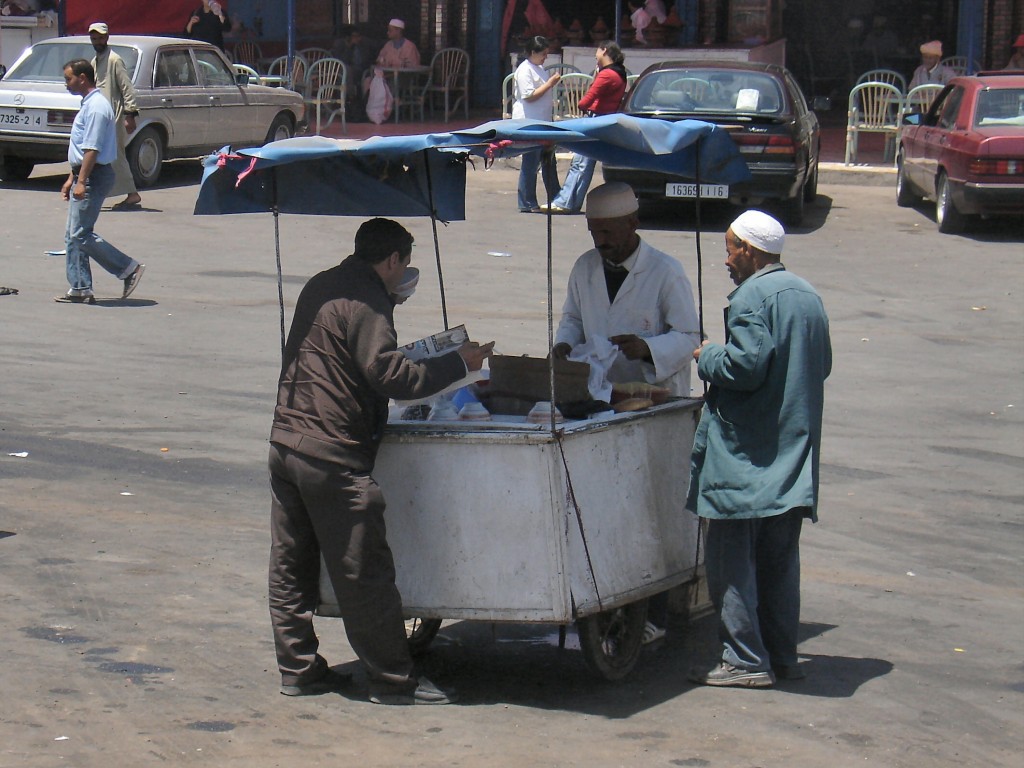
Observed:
{"x":98,"y":27}
{"x":611,"y":201}
{"x":397,"y":23}
{"x":760,"y":230}
{"x":407,"y":285}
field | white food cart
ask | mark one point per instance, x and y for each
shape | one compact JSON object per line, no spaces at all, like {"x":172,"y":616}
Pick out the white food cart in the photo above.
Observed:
{"x":506,"y":521}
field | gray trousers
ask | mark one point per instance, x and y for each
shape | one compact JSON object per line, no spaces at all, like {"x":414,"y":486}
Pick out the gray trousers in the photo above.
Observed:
{"x":753,"y":570}
{"x":319,"y":505}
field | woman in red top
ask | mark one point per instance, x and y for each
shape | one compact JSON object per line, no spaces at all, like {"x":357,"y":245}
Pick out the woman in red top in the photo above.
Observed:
{"x":602,"y":98}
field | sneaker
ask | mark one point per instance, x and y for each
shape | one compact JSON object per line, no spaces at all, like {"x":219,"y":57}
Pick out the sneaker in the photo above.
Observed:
{"x":330,"y":682}
{"x":788,"y":672}
{"x":728,"y":675}
{"x":132,"y":281}
{"x":76,"y":297}
{"x":652,"y":632}
{"x":555,"y":209}
{"x":425,"y":693}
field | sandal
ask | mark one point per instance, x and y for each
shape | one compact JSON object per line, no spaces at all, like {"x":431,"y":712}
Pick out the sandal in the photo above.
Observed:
{"x":126,"y":206}
{"x":651,"y":633}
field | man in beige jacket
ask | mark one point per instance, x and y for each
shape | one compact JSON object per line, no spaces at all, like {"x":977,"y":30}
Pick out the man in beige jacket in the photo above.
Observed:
{"x":113,"y":81}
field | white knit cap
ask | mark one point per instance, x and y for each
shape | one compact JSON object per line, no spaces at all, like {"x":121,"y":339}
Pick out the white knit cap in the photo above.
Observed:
{"x":397,"y":23}
{"x":760,"y":230}
{"x":611,"y":201}
{"x":98,"y":27}
{"x":932,"y":48}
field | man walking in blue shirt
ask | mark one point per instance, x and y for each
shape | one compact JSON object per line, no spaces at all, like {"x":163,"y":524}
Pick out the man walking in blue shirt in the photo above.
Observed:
{"x":92,"y":149}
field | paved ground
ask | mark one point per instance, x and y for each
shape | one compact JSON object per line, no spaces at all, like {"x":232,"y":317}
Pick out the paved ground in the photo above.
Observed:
{"x":133,"y":535}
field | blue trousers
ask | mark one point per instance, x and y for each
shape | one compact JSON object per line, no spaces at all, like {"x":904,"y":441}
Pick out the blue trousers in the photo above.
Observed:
{"x":529,"y":162}
{"x":82,"y":242}
{"x":753,"y":570}
{"x":577,"y":182}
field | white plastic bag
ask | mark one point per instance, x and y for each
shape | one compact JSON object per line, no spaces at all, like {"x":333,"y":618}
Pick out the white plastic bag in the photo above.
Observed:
{"x":379,"y":101}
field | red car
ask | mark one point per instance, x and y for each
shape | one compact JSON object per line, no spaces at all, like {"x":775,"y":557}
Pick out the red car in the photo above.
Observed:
{"x":967,"y":151}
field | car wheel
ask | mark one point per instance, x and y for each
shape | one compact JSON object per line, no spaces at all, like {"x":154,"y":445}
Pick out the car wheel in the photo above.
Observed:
{"x":15,"y":168}
{"x":811,"y":186}
{"x":280,"y":129}
{"x":793,"y":210}
{"x":949,"y":219}
{"x":146,"y":156}
{"x":905,"y":196}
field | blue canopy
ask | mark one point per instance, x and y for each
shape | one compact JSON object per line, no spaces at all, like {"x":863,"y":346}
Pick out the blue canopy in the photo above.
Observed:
{"x":425,"y":174}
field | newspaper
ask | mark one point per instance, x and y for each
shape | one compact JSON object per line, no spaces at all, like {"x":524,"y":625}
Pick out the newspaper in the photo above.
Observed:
{"x":439,"y":344}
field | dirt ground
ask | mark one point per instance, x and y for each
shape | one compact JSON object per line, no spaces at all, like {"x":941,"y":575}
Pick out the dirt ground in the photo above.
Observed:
{"x":133,"y":533}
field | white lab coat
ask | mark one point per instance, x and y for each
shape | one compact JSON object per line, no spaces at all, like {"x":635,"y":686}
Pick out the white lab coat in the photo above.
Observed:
{"x":655,"y":302}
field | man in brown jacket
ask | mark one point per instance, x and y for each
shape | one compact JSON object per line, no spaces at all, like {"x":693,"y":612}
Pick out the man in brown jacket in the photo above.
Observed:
{"x":341,"y":366}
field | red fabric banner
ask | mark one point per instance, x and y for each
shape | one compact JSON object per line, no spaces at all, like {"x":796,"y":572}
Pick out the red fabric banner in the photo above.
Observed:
{"x":143,"y":17}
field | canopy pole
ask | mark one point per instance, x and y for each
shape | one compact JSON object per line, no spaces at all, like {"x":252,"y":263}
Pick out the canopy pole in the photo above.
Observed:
{"x":277,"y":251}
{"x":437,"y":246}
{"x":551,"y":324}
{"x":700,"y":260}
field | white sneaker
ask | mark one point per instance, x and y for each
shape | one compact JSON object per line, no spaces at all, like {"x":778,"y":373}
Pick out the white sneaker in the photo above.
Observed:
{"x":652,"y":632}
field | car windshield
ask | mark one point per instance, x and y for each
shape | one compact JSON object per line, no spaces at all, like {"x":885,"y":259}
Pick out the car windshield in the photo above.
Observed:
{"x":45,"y":63}
{"x":721,"y":91}
{"x":1000,"y":106}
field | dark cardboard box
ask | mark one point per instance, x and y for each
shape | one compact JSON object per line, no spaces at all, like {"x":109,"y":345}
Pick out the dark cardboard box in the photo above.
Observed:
{"x":518,"y":383}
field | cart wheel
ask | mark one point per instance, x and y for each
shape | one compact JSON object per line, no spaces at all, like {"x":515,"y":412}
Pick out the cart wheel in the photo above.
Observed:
{"x":611,"y":640}
{"x":420,"y":633}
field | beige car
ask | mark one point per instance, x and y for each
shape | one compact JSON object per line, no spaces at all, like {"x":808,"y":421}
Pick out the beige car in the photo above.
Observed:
{"x":191,"y":103}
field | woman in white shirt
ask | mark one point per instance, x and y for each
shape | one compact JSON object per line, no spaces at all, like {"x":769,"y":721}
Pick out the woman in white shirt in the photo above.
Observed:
{"x":534,"y":98}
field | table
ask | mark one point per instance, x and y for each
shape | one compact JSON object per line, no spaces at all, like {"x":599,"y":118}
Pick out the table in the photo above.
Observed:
{"x":409,"y":74}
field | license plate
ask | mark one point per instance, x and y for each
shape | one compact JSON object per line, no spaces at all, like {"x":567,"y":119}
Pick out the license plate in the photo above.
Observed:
{"x":716,"y":191}
{"x":22,"y":118}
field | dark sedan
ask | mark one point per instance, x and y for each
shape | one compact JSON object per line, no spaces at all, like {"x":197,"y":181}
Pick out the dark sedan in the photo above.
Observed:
{"x":967,"y":151}
{"x":765,"y":113}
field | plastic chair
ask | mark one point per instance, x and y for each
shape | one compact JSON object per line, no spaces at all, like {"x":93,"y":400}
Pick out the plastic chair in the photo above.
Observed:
{"x":960,"y":64}
{"x":449,"y":75}
{"x":326,"y":88}
{"x":890,"y":76}
{"x":630,"y":79}
{"x":561,"y":69}
{"x":874,"y":107}
{"x":252,"y":74}
{"x":248,"y":53}
{"x":313,"y":55}
{"x":507,"y":98}
{"x":295,"y":79}
{"x":568,"y":92}
{"x":920,"y":98}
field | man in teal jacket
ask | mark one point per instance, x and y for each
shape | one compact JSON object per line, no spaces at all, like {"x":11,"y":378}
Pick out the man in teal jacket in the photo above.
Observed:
{"x":754,"y":469}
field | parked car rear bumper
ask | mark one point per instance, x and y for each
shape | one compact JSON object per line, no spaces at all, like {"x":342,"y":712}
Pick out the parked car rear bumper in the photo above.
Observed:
{"x":975,"y":197}
{"x":765,"y":183}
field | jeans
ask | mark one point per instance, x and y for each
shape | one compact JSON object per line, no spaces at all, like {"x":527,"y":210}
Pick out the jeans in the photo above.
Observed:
{"x":83,"y":243}
{"x":753,"y":570}
{"x":577,"y":182}
{"x":529,"y":162}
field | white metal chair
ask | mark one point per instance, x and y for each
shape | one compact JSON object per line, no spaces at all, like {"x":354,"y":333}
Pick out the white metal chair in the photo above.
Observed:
{"x":921,"y":97}
{"x":449,"y":77}
{"x":326,"y":89}
{"x":890,"y":76}
{"x":296,"y":78}
{"x":874,"y":107}
{"x":507,"y":97}
{"x":252,"y":74}
{"x":247,"y":52}
{"x":568,"y":92}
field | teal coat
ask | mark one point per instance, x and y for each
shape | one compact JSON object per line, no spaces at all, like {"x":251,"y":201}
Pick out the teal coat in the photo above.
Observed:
{"x":756,"y":450}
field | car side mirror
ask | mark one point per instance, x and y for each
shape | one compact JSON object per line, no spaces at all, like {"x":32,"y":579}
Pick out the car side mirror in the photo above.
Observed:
{"x":822,"y":104}
{"x":914,"y":118}
{"x":241,"y":78}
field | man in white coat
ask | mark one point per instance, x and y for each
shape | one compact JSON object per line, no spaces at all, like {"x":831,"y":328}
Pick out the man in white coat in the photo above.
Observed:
{"x":631,"y":294}
{"x":625,"y":292}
